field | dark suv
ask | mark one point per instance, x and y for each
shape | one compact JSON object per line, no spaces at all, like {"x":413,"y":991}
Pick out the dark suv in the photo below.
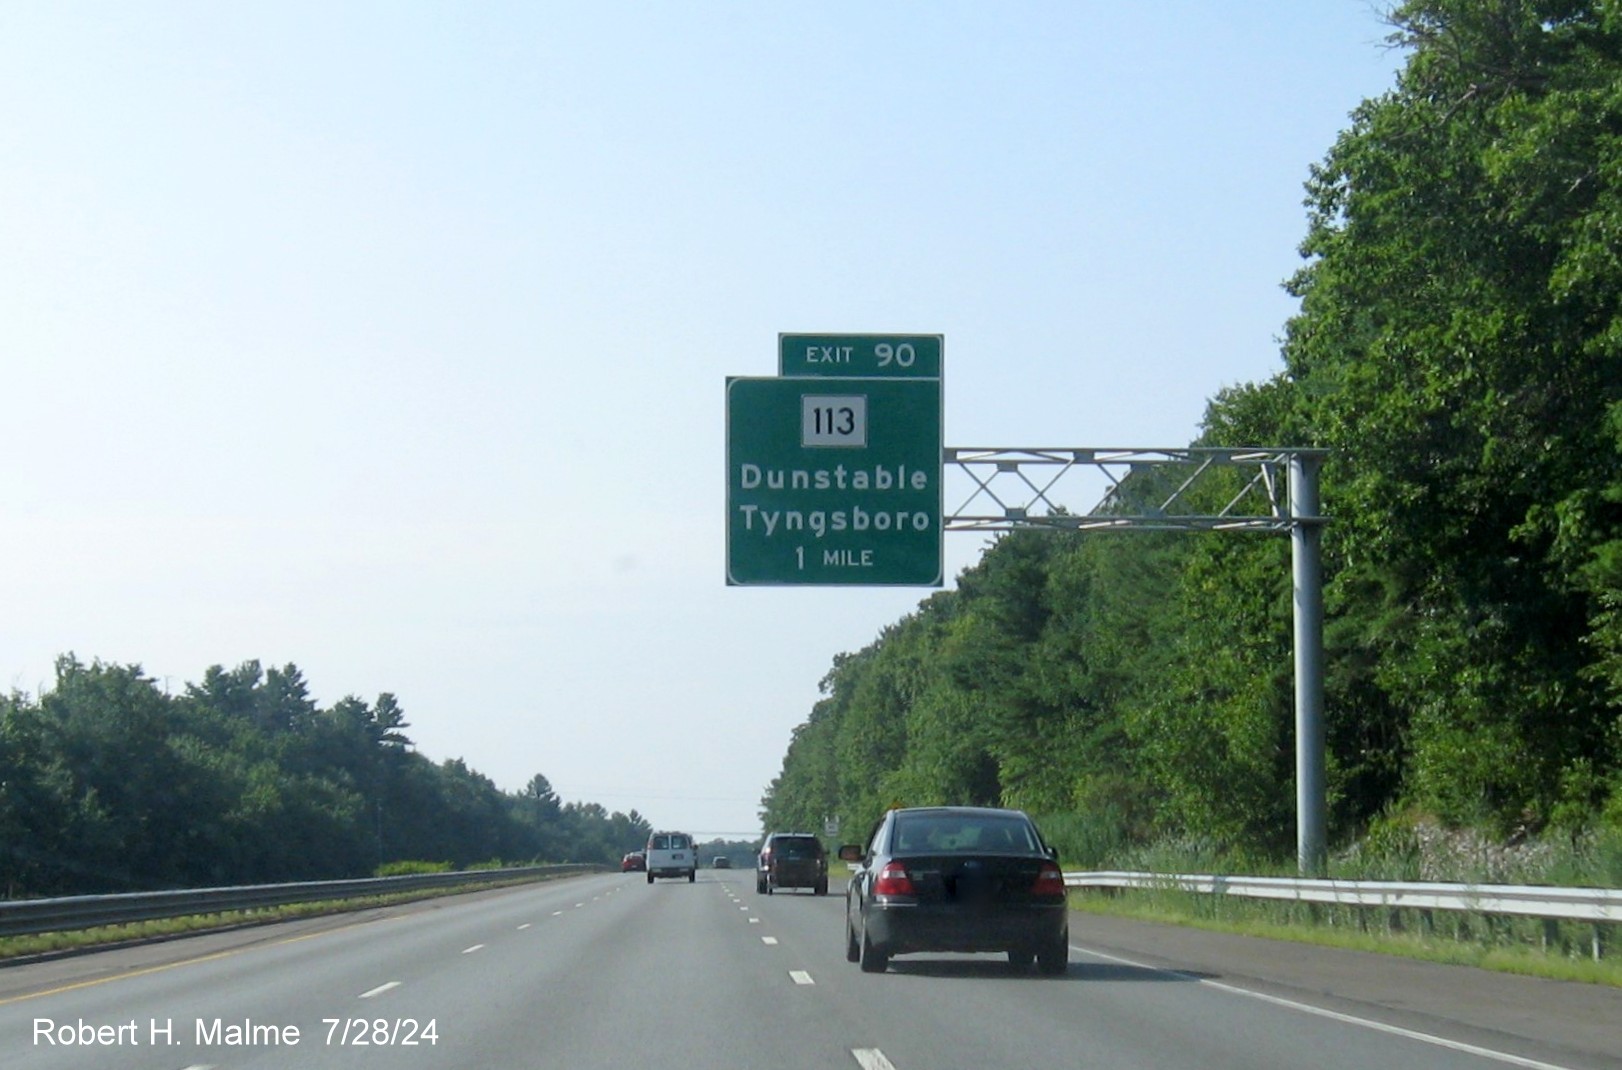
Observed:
{"x":792,"y":860}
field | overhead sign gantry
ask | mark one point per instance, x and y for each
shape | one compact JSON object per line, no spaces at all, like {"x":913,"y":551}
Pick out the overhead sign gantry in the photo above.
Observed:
{"x":835,"y":476}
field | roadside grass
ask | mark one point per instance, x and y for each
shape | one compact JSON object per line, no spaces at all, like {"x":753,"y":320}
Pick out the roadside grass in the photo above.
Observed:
{"x":1404,"y":846}
{"x":52,"y":944}
{"x":1469,"y":940}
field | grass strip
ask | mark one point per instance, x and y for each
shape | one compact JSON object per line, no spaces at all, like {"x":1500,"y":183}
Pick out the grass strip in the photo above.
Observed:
{"x":1164,"y":908}
{"x":49,"y":944}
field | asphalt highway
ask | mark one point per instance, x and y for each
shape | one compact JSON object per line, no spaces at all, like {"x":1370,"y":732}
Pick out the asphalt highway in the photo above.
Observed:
{"x":609,"y":971}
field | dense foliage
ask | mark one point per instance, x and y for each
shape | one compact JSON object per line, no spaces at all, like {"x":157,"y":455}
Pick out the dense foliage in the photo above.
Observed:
{"x":108,"y":784}
{"x":1459,"y":348}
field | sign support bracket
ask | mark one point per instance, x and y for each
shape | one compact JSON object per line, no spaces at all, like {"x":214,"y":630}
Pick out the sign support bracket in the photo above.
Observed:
{"x":1024,"y":502}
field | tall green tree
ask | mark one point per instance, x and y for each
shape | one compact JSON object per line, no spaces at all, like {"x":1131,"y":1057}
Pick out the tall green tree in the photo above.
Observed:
{"x":1458,"y":347}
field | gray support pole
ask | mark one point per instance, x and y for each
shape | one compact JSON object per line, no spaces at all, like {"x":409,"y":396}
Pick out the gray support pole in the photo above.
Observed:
{"x":1306,"y":529}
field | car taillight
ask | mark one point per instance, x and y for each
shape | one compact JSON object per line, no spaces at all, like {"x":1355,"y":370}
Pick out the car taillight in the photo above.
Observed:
{"x":1049,"y":881}
{"x":893,"y":880}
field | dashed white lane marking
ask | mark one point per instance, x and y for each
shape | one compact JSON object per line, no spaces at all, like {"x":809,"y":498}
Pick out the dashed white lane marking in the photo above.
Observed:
{"x":754,"y":921}
{"x":379,"y":990}
{"x":771,"y":940}
{"x":801,"y":977}
{"x":470,"y":950}
{"x":524,"y":926}
{"x":201,"y":1066}
{"x":872,"y":1059}
{"x":557,"y":913}
{"x":1337,"y":1016}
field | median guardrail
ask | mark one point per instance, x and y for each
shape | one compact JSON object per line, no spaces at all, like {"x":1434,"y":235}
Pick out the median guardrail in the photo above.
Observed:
{"x":1596,"y":905}
{"x":24,"y":916}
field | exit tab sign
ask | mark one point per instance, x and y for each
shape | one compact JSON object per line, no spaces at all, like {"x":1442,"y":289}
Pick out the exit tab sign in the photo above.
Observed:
{"x":898,"y":356}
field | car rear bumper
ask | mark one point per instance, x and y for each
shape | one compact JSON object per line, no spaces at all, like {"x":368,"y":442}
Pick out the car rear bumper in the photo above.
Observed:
{"x":902,"y":927}
{"x":790,"y":875}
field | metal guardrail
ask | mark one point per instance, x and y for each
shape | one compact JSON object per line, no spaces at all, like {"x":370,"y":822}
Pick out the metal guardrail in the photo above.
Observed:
{"x":1580,"y":904}
{"x":1597,"y":905}
{"x":23,"y":916}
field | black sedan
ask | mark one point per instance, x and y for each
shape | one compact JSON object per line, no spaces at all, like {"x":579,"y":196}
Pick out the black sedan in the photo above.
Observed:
{"x":956,"y":878}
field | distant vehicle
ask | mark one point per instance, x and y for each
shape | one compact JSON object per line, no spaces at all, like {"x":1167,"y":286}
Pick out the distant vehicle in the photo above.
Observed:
{"x":952,"y":878}
{"x":722,"y":862}
{"x":634,"y":862}
{"x":671,"y":854}
{"x":792,"y":860}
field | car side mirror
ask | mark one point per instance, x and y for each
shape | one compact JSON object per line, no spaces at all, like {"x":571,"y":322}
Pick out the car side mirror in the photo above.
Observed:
{"x":850,"y":852}
{"x":1053,"y":853}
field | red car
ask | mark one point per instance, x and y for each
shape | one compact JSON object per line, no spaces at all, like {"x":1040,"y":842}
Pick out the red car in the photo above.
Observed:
{"x":634,"y":862}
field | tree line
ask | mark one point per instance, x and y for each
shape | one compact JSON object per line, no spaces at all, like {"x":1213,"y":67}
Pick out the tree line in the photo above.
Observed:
{"x":1458,"y":348}
{"x":108,"y":784}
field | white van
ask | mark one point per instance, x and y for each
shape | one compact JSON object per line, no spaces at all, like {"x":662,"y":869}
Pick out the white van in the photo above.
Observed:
{"x":671,"y":854}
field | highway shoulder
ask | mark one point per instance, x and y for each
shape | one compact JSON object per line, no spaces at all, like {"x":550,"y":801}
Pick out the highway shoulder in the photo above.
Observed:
{"x":1497,"y":1010}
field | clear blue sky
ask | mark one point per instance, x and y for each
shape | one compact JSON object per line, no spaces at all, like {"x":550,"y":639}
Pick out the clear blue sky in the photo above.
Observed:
{"x":389,"y":339}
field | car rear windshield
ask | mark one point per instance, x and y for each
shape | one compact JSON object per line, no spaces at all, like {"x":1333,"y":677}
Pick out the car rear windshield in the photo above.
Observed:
{"x":799,"y":847}
{"x":665,"y":841}
{"x":929,"y":833}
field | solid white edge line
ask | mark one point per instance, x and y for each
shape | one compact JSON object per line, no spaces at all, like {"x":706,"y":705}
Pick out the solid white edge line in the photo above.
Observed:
{"x":1349,"y":1019}
{"x":379,"y":990}
{"x":872,"y":1059}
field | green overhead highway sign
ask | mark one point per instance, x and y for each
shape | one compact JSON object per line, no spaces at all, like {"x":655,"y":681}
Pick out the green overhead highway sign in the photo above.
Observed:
{"x":834,"y":481}
{"x":890,"y":356}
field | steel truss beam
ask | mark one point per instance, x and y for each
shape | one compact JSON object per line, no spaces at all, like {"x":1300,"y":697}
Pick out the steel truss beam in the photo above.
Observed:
{"x":1019,"y":487}
{"x":1156,"y":490}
